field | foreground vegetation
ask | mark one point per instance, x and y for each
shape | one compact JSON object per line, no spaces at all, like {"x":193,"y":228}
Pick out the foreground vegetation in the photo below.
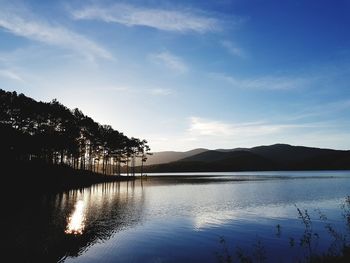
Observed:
{"x":338,"y":250}
{"x":53,"y":134}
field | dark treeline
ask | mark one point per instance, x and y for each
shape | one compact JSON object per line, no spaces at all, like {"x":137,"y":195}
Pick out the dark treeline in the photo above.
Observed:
{"x":52,"y":133}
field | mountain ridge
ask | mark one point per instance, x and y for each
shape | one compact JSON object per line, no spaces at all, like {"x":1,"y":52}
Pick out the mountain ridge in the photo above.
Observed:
{"x":171,"y":156}
{"x":266,"y":157}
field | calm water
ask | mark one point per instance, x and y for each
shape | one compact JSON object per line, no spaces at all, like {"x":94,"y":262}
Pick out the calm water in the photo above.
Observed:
{"x":176,"y":219}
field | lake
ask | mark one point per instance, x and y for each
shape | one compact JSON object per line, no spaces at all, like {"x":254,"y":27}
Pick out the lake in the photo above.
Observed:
{"x":179,"y":218}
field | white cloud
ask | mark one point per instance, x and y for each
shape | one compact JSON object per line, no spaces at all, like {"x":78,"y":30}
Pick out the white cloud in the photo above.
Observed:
{"x":25,"y":25}
{"x":265,"y":83}
{"x":170,"y":60}
{"x":233,"y":49}
{"x":10,"y":75}
{"x":161,"y":19}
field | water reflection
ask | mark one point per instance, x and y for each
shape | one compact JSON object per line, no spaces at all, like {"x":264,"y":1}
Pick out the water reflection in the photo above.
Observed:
{"x":213,"y":219}
{"x":168,"y":220}
{"x":76,"y":220}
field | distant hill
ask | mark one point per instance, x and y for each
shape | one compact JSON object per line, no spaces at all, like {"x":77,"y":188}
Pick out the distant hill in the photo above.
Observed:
{"x":272,"y":157}
{"x":287,"y":154}
{"x":171,"y":156}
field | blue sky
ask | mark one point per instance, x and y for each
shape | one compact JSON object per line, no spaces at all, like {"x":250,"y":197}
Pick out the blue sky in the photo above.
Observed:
{"x":188,"y":74}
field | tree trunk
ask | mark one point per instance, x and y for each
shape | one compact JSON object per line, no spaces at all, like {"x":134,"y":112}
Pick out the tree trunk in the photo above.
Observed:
{"x":127,"y":166}
{"x":141,"y":167}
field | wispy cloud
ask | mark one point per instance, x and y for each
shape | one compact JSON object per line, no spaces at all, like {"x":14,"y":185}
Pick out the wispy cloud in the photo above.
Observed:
{"x":24,"y":24}
{"x":170,"y":60}
{"x":214,"y":134}
{"x":9,"y":74}
{"x":200,"y":126}
{"x":322,"y":110}
{"x":209,"y":127}
{"x":233,"y":49}
{"x":161,"y":91}
{"x":264,"y":83}
{"x":161,"y":19}
{"x":128,"y":89}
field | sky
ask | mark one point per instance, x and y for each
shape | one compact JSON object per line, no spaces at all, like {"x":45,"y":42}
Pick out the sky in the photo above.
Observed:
{"x":188,"y":74}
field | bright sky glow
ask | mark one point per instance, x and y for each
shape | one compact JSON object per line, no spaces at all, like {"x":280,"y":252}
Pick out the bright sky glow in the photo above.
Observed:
{"x":188,"y":74}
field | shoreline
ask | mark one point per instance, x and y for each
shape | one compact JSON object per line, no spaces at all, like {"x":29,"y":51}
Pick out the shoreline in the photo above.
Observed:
{"x":36,"y":178}
{"x":33,"y":177}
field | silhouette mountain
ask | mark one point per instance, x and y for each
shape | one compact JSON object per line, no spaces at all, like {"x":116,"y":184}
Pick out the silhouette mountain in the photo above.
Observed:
{"x":261,"y":158}
{"x":171,"y":156}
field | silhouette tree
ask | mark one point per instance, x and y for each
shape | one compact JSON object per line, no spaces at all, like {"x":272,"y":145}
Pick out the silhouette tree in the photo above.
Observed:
{"x":144,"y":149}
{"x":52,"y":133}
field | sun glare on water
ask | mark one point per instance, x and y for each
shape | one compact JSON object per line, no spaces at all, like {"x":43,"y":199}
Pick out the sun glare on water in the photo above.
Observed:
{"x":76,"y":220}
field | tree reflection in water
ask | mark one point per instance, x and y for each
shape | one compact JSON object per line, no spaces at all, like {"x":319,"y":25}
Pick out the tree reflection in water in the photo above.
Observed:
{"x":53,"y":227}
